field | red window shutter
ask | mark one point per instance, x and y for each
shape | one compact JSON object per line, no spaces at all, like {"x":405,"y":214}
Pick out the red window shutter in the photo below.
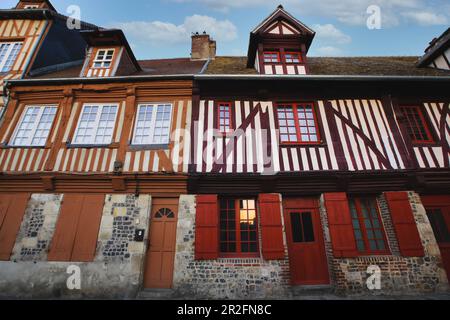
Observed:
{"x":405,"y":226}
{"x":12,"y":210}
{"x":340,"y":225}
{"x":207,"y":228}
{"x":66,"y":228}
{"x":88,"y":228}
{"x":271,"y":227}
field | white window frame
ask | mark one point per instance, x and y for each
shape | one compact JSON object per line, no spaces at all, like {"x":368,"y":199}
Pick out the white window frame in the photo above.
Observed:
{"x":8,"y":53}
{"x":96,"y":124}
{"x":34,"y":128}
{"x":152,"y":125}
{"x":104,"y":60}
{"x":31,"y":6}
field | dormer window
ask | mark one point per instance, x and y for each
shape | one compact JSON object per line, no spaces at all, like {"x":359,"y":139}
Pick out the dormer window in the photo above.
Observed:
{"x":104,"y":58}
{"x":272,"y":57}
{"x":279,"y":45}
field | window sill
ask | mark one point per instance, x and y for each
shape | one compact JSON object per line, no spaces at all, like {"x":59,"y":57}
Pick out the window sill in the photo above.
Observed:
{"x":23,"y":147}
{"x":374,"y":254}
{"x":149,"y":147}
{"x":239,"y":256}
{"x":303,"y":144}
{"x":89,"y":146}
{"x":426,"y":144}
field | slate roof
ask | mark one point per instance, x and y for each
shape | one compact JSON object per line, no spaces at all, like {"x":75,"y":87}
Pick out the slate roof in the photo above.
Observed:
{"x":149,"y":67}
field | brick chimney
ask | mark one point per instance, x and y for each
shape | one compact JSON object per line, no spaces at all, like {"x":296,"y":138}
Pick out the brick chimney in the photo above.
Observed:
{"x":203,"y":47}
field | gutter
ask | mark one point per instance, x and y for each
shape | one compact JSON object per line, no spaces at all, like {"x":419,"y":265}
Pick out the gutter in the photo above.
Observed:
{"x":322,"y":78}
{"x":221,"y":77}
{"x":84,"y":80}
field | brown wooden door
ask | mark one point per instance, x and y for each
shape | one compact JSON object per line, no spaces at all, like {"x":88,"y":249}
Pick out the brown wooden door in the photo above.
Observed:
{"x":438,"y":212}
{"x":161,"y":246}
{"x":308,"y":262}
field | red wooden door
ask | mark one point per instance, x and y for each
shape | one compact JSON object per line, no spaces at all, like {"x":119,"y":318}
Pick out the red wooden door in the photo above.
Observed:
{"x":438,"y":212}
{"x":308,"y":262}
{"x":161,"y":247}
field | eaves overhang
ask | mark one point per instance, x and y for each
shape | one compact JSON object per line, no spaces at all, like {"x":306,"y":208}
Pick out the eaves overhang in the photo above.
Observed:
{"x":223,"y":77}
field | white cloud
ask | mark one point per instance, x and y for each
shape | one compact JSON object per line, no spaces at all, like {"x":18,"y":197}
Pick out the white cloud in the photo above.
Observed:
{"x":157,"y":32}
{"x":329,"y":33}
{"x":327,"y":51}
{"x":351,"y":12}
{"x":426,"y":18}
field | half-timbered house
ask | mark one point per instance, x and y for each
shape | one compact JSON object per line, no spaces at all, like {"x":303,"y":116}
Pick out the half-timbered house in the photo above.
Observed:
{"x":263,"y":176}
{"x":320,"y":172}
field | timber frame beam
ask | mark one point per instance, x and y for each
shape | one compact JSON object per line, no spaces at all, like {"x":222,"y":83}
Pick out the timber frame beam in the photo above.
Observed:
{"x":306,"y":184}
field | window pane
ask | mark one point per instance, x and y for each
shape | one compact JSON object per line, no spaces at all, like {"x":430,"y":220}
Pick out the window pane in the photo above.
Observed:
{"x":308,"y":229}
{"x":302,"y":227}
{"x":96,"y":125}
{"x":35,"y":126}
{"x":246,"y":222}
{"x":415,"y":124}
{"x":227,"y":226}
{"x":162,"y":124}
{"x":296,"y":226}
{"x":439,"y":225}
{"x":103,"y":58}
{"x":286,"y":122}
{"x":143,"y":124}
{"x":367,"y":225}
{"x":8,"y":55}
{"x":224,"y":113}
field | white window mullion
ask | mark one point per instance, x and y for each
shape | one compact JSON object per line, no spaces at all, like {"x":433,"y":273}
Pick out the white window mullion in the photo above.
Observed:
{"x":153,"y":125}
{"x":97,"y":124}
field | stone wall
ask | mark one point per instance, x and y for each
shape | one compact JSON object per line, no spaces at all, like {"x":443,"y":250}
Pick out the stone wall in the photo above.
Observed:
{"x":399,"y":275}
{"x":118,"y":265}
{"x":241,"y":278}
{"x":37,"y":228}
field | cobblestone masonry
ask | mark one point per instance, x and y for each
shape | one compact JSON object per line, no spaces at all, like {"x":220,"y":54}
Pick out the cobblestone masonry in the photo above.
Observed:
{"x":399,"y":275}
{"x":223,"y":278}
{"x":116,"y":271}
{"x":37,"y":227}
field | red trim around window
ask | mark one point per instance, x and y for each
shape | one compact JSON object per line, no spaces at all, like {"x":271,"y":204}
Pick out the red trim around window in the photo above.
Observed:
{"x":363,"y":228}
{"x":228,"y":225}
{"x":296,"y":107}
{"x":224,"y":112}
{"x":271,"y":52}
{"x":416,"y":124}
{"x":293,"y":53}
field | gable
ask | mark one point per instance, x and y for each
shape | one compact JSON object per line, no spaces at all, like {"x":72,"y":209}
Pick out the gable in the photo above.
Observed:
{"x":35,"y":4}
{"x":281,"y":27}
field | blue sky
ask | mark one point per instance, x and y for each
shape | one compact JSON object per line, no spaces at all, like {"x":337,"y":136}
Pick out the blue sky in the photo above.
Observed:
{"x":161,"y":28}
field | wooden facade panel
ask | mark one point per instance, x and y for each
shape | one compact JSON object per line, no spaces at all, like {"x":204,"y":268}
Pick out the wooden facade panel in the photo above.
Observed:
{"x":29,"y":33}
{"x":437,"y":154}
{"x":356,"y":135}
{"x":22,"y":159}
{"x":61,"y":156}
